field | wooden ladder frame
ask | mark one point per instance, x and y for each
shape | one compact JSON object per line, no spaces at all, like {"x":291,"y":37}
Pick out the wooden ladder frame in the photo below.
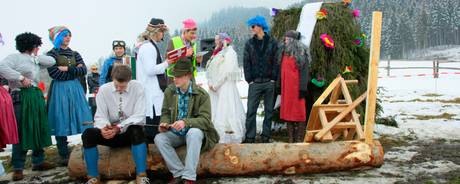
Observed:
{"x":337,"y":118}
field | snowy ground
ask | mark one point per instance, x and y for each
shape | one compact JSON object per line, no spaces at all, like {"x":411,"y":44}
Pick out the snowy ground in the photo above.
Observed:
{"x":424,"y":148}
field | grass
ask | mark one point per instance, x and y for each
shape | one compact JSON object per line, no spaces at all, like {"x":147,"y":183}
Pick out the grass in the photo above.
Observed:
{"x":432,"y":95}
{"x":446,"y":116}
{"x":389,"y":142}
{"x":451,"y":101}
{"x":388,"y":121}
{"x":455,"y":180}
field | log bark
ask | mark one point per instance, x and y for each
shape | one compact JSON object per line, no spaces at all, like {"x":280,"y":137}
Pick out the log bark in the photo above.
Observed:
{"x":243,"y":159}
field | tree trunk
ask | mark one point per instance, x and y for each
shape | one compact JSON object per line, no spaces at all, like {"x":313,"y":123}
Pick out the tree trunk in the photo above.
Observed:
{"x":243,"y":159}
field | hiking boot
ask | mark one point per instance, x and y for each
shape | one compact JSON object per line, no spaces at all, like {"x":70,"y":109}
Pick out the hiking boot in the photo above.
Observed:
{"x":265,"y":140}
{"x":291,"y":132}
{"x":177,"y":180}
{"x":63,"y":162}
{"x":189,"y":182}
{"x":249,"y":141}
{"x":93,"y":181}
{"x":43,"y":167}
{"x":142,"y":179}
{"x":18,"y":175}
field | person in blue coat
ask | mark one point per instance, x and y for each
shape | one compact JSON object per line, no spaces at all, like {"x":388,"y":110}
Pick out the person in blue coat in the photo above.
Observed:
{"x":119,"y":50}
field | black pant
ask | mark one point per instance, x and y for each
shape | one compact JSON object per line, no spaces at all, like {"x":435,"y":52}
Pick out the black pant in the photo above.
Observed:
{"x":256,"y":92}
{"x":151,"y":131}
{"x":134,"y":135}
{"x":92,"y":105}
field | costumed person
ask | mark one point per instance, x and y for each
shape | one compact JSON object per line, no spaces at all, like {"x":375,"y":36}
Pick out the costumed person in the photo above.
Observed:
{"x":22,"y":72}
{"x":8,"y":127}
{"x":118,"y":123}
{"x":223,"y":74}
{"x":293,"y":57}
{"x":151,"y":74}
{"x":68,"y":109}
{"x":260,"y":72}
{"x":119,"y":54}
{"x":93,"y":84}
{"x":186,"y":39}
{"x":185,"y":119}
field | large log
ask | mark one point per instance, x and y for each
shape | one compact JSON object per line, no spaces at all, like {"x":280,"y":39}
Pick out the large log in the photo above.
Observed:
{"x":244,"y":159}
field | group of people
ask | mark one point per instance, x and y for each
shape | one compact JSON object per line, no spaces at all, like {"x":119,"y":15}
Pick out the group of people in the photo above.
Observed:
{"x":164,"y":105}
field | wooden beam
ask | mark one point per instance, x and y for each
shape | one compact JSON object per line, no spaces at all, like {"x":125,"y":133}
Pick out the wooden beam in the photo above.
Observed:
{"x":313,"y":119}
{"x":373,"y":77}
{"x":324,"y":122}
{"x":335,"y":94}
{"x":351,"y":81}
{"x":337,"y":119}
{"x":328,"y":90}
{"x":342,"y":125}
{"x":354,"y":114}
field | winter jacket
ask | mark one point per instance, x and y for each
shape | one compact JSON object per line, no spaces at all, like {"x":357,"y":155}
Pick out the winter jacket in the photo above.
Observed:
{"x":259,"y":59}
{"x":198,"y":115}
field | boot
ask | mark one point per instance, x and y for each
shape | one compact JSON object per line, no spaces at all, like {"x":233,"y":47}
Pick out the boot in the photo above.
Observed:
{"x":43,"y":167}
{"x":301,"y":130}
{"x":18,"y":175}
{"x":290,"y":130}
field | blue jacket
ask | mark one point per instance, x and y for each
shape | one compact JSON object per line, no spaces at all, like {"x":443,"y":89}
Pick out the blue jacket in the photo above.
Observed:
{"x":106,"y":69}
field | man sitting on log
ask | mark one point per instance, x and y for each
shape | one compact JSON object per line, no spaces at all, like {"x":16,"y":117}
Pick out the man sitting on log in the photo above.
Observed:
{"x":119,"y":118}
{"x":185,"y":119}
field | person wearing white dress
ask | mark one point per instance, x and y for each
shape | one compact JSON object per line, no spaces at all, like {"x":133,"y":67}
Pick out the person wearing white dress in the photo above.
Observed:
{"x":223,"y":73}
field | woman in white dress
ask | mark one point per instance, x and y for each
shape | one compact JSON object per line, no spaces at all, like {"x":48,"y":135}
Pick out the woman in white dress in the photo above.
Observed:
{"x":223,"y":73}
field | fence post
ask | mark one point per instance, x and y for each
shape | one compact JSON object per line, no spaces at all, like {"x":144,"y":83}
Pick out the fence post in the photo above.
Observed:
{"x":435,"y":69}
{"x":388,"y":66}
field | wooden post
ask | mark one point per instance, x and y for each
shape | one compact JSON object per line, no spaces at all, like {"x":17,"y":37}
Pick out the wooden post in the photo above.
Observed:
{"x":437,"y":68}
{"x":388,"y":66}
{"x":373,"y":77}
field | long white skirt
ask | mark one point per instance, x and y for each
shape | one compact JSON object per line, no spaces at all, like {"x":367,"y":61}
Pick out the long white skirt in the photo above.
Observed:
{"x":228,"y":114}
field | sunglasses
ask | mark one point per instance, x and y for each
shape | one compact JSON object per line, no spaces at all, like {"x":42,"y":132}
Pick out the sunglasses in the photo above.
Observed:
{"x":118,"y":43}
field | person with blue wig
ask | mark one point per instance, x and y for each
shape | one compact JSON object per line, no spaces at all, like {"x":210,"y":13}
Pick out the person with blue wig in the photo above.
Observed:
{"x":68,"y":109}
{"x":260,"y":72}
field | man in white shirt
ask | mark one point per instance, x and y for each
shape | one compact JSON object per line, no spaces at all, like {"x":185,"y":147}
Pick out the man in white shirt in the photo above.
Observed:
{"x":118,"y":123}
{"x":150,"y":71}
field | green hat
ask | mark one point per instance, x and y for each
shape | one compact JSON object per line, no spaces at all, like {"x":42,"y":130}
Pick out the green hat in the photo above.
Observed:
{"x":181,"y":68}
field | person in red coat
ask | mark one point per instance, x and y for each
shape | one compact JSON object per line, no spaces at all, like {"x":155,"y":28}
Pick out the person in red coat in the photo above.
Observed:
{"x":294,"y":58}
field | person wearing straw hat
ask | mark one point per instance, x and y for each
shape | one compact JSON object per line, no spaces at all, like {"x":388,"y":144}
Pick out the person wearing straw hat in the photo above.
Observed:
{"x":68,"y":110}
{"x":150,"y":71}
{"x":185,"y":120}
{"x":22,"y":72}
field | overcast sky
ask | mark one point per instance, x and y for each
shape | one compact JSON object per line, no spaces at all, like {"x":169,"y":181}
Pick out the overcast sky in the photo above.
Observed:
{"x":95,"y":23}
